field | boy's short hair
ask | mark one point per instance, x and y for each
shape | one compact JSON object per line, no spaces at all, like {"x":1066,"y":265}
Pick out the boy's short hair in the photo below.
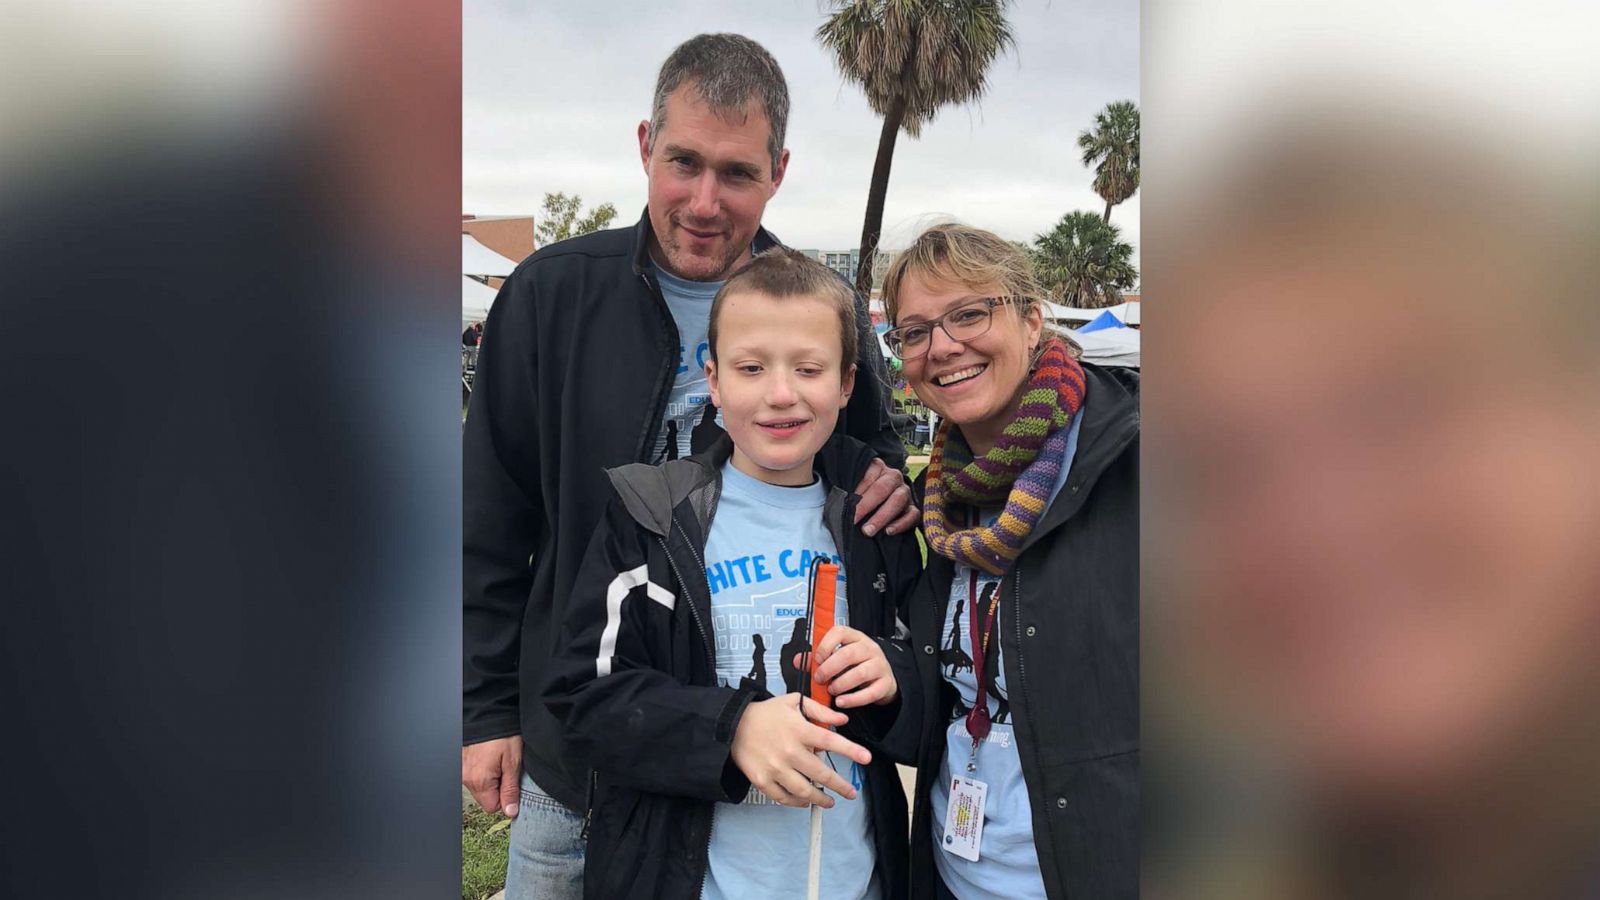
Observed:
{"x":781,"y":272}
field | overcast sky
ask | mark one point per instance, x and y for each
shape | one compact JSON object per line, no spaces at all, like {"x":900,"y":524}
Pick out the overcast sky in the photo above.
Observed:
{"x":553,"y":93}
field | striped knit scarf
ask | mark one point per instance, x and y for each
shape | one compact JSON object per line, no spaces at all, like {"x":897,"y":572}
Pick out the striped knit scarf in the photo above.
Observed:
{"x":1021,"y":469}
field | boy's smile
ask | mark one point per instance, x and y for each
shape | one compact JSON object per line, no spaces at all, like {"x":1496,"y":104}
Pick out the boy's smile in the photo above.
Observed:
{"x":780,"y":382}
{"x":785,"y":428}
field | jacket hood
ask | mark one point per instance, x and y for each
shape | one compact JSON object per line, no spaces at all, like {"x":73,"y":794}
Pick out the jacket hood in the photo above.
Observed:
{"x":1110,"y":423}
{"x":1110,"y":414}
{"x":642,"y":232}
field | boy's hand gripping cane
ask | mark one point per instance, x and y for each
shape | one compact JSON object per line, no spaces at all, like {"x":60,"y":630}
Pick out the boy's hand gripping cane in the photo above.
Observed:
{"x":819,"y":615}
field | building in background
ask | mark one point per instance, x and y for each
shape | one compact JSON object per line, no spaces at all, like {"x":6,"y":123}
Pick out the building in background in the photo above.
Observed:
{"x":848,"y":264}
{"x":845,"y":262}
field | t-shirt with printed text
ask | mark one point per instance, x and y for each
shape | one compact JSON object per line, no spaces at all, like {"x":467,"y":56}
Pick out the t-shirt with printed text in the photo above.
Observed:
{"x":758,"y":555}
{"x":691,"y":422}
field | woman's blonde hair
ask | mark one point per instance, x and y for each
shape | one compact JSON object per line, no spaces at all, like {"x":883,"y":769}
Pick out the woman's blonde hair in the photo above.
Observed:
{"x":953,"y":253}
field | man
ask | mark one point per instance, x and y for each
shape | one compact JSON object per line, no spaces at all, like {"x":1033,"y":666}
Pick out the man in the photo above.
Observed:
{"x":594,"y":358}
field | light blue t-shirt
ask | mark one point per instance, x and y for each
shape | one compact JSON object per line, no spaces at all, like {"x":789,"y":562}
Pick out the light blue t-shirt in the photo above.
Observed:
{"x":1008,"y":863}
{"x":689,"y":405}
{"x":761,"y":544}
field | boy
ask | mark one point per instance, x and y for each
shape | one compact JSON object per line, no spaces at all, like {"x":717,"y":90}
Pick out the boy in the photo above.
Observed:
{"x":679,"y":664}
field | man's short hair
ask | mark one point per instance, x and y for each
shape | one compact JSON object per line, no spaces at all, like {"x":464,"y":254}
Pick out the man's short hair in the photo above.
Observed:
{"x":780,"y":273}
{"x":726,"y":71}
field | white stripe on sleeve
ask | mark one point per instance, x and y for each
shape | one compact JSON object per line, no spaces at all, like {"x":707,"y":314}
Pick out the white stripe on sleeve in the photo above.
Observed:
{"x":620,"y":586}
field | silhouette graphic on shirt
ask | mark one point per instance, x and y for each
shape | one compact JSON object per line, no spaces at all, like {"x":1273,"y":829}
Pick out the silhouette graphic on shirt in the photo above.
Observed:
{"x":952,"y":656}
{"x":796,"y":644}
{"x":991,"y":662}
{"x":706,"y":433}
{"x":757,"y":679}
{"x":672,"y":439}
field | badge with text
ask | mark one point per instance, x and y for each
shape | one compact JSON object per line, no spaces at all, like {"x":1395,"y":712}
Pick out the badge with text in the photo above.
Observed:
{"x":963,"y":820}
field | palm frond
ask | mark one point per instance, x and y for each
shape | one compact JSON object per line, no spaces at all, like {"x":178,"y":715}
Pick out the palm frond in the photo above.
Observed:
{"x":926,"y":54}
{"x":1112,"y":148}
{"x":1083,"y":262}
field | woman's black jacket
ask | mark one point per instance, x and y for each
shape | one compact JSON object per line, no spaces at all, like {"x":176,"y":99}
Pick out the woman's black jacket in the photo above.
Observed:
{"x":1069,"y":629}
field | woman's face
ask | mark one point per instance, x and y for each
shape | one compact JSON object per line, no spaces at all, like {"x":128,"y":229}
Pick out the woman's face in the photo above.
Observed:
{"x":975,"y":383}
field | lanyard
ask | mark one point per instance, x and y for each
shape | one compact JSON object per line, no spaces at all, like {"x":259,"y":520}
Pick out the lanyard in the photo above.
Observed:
{"x":978,"y":715}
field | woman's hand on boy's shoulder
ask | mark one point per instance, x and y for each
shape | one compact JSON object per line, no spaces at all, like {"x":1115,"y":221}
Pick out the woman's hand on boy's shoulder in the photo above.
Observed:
{"x":885,"y":501}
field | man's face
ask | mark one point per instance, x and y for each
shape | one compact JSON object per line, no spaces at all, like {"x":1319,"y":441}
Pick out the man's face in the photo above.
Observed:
{"x":710,"y":180}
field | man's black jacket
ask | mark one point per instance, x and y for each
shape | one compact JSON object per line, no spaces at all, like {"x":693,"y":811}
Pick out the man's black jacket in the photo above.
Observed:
{"x":1069,"y":635}
{"x":636,"y":681}
{"x":574,"y":372}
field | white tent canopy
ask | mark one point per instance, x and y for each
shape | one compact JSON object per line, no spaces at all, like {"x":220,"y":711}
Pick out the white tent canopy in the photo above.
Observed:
{"x":1126,"y":313}
{"x":475,"y":300}
{"x":476,"y":259}
{"x":1110,"y":346}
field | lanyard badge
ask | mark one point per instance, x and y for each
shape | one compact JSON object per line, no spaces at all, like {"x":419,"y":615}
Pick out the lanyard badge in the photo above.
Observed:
{"x":978,"y":716}
{"x":964,"y":812}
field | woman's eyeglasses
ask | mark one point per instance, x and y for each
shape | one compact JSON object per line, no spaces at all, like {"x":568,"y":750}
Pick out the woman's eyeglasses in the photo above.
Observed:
{"x":960,"y":324}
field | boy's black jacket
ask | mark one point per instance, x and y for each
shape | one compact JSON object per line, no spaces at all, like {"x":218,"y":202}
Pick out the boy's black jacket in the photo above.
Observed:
{"x":657,"y":727}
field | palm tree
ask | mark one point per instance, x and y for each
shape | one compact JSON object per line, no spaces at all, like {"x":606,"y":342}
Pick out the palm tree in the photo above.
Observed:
{"x":1083,"y":262}
{"x":1112,"y":147}
{"x":910,"y":57}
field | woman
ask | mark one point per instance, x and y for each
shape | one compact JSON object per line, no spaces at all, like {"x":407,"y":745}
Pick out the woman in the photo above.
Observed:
{"x":1031,"y":518}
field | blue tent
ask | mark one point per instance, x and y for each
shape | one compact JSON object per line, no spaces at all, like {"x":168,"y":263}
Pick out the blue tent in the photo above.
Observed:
{"x":1106,"y":319}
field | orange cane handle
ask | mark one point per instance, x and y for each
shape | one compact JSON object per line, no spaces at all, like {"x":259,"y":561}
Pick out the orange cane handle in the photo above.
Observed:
{"x":821,"y":620}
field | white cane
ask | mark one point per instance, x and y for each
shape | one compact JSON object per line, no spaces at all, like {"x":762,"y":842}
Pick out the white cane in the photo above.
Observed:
{"x":814,"y":872}
{"x":819,"y":613}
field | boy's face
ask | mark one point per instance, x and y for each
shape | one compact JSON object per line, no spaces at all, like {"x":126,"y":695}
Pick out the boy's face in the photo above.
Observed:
{"x":780,"y":382}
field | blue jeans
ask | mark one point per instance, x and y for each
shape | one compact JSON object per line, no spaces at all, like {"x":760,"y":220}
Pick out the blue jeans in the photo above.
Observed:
{"x":546,"y":848}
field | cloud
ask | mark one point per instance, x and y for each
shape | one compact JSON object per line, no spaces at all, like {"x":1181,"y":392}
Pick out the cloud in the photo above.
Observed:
{"x":553,"y":93}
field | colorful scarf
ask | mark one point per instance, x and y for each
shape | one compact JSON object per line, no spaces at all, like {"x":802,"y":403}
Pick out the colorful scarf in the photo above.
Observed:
{"x":1020,"y":469}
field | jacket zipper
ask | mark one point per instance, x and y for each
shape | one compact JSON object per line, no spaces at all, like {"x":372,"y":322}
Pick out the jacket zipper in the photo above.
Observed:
{"x":711,"y":648}
{"x":588,"y":806}
{"x":664,"y":381}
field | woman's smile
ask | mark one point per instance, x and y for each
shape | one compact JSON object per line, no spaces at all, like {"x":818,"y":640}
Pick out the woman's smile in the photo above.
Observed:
{"x":959,"y":376}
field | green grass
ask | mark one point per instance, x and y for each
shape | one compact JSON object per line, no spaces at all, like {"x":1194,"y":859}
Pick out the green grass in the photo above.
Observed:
{"x":483,"y":853}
